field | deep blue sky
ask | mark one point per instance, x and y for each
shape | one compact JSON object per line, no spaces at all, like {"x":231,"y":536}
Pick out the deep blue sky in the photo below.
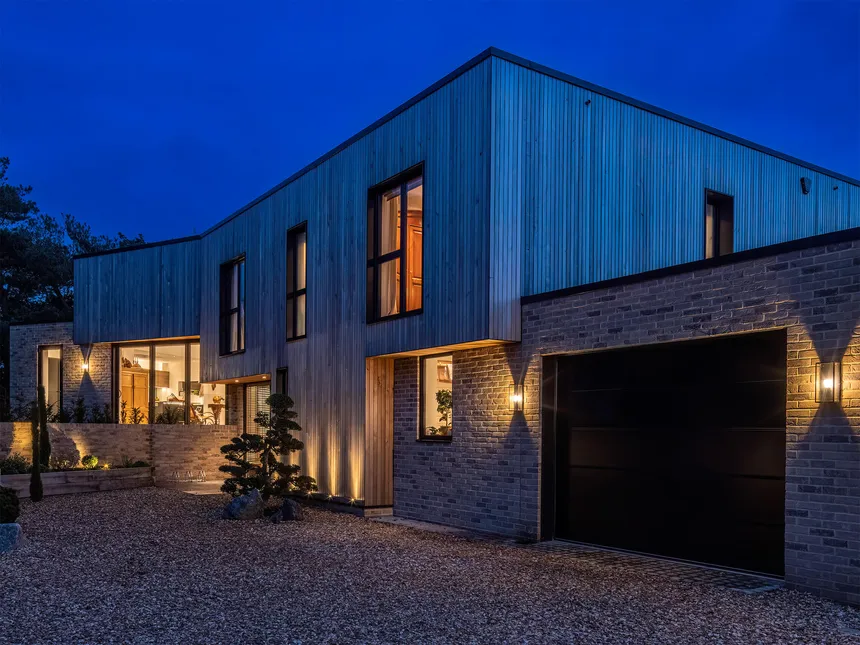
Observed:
{"x":163,"y":117}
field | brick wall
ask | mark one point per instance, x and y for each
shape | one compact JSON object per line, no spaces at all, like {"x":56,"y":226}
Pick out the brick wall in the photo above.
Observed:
{"x":814,"y":294}
{"x":175,"y":451}
{"x":94,"y":386}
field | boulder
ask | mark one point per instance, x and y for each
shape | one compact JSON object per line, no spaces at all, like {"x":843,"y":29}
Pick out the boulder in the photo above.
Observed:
{"x":11,"y":537}
{"x":246,"y":507}
{"x":290,"y":510}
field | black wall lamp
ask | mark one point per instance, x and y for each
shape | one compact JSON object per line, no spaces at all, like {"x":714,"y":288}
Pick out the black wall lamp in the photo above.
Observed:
{"x":828,"y":382}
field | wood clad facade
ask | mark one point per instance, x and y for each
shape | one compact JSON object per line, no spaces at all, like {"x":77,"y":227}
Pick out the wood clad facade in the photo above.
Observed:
{"x":531,"y":182}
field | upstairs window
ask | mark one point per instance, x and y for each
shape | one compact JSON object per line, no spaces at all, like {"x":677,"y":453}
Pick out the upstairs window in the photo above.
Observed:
{"x":719,"y":224}
{"x":281,"y":382}
{"x":232,"y":326}
{"x":395,"y":247}
{"x":297,"y":292}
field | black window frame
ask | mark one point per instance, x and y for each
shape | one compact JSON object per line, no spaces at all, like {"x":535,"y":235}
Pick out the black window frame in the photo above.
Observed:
{"x":292,"y":258}
{"x":375,"y":260}
{"x":226,"y":312}
{"x":724,"y":211}
{"x":39,"y":374}
{"x":282,"y":381}
{"x":421,"y":401}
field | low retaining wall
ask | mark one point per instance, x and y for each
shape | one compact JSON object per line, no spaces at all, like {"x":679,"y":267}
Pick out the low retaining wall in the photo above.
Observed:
{"x":81,"y":481}
{"x":176,"y":452}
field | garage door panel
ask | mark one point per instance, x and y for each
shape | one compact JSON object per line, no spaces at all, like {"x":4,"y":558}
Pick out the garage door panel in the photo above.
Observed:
{"x":676,"y":449}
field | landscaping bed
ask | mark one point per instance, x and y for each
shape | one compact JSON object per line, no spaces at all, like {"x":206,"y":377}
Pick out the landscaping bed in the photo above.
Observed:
{"x":160,"y":566}
{"x":65,"y":482}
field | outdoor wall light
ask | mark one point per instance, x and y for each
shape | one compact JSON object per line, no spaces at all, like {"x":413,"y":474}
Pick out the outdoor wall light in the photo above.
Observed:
{"x":85,"y":366}
{"x":516,"y":398}
{"x":828,"y":382}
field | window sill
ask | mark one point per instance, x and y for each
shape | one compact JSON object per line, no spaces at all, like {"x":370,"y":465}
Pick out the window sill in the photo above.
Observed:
{"x":241,"y":351}
{"x":414,"y":312}
{"x":290,"y":340}
{"x":434,"y":439}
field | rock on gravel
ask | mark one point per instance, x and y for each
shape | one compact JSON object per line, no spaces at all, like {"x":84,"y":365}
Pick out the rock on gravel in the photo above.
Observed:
{"x":245,"y":507}
{"x":160,"y":566}
{"x":11,"y":537}
{"x":290,"y":510}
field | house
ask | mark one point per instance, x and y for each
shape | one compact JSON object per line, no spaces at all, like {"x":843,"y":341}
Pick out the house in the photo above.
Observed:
{"x":523,"y":304}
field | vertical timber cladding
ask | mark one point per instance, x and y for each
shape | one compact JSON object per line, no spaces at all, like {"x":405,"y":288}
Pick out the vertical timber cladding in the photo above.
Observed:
{"x":676,"y":449}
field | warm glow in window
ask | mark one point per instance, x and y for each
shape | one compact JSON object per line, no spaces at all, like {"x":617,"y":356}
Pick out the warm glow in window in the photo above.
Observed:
{"x":437,"y":402}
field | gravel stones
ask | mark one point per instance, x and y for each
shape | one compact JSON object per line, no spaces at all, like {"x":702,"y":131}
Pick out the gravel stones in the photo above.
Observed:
{"x":152,"y":565}
{"x":245,"y":507}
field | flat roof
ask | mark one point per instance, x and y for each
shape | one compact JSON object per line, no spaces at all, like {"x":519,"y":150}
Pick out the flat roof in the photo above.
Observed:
{"x":502,"y":55}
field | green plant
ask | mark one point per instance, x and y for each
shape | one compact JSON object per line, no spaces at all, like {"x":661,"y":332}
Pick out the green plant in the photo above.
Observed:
{"x":9,"y":505}
{"x":36,"y":489}
{"x":100,"y":414}
{"x":137,"y":417}
{"x":64,"y":459}
{"x":171,"y":415}
{"x":44,"y":437}
{"x":90,"y":462}
{"x":14,"y":464}
{"x":123,"y":413}
{"x":255,"y":460}
{"x":444,"y":405}
{"x":128,"y":462}
{"x":79,"y":412}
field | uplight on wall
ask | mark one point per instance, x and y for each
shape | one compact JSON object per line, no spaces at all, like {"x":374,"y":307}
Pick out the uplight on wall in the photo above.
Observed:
{"x":85,"y":366}
{"x":516,"y":398}
{"x":828,"y":382}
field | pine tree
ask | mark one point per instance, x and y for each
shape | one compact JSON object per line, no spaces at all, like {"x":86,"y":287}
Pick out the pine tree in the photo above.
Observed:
{"x":44,"y":437}
{"x":36,"y":490}
{"x":255,"y":460}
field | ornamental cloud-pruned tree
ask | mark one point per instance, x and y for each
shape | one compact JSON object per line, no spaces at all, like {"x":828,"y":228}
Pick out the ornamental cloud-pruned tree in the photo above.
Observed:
{"x":255,"y":459}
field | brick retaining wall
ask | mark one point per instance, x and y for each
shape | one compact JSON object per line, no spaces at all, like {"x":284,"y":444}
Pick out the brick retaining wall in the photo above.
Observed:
{"x":175,"y":451}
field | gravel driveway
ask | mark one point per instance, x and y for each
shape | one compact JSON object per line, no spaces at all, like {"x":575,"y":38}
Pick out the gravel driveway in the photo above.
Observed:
{"x":156,"y":566}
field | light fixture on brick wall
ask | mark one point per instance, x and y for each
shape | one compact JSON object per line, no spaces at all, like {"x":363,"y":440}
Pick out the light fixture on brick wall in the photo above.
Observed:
{"x":517,"y":399}
{"x":85,"y":366}
{"x":828,"y":382}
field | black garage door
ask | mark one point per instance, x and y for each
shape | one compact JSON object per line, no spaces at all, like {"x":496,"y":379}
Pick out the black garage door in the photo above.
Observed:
{"x":676,"y":449}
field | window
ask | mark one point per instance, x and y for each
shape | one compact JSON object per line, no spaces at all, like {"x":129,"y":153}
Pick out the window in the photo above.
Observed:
{"x":162,"y":382}
{"x":232,"y":337}
{"x":719,"y":224}
{"x":395,"y":264}
{"x":437,"y":405}
{"x":281,"y":383}
{"x":50,"y":370}
{"x":256,"y":396}
{"x":297,"y":278}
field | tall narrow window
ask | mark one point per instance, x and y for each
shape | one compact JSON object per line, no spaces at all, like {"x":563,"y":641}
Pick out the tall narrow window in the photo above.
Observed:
{"x":256,"y":397}
{"x":437,"y":401}
{"x":395,"y":248}
{"x":281,"y":382}
{"x":51,"y":376}
{"x":233,"y":306}
{"x":719,"y":224}
{"x":297,"y":279}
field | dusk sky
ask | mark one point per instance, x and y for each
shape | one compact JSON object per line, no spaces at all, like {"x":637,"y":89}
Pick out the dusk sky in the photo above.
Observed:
{"x":164,"y":117}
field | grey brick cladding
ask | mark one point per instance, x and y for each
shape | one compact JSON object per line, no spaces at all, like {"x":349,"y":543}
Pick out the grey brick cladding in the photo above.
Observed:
{"x":93,"y":386}
{"x":487,"y":478}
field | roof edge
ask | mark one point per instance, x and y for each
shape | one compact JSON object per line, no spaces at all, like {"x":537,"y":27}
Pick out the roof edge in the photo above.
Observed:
{"x":137,"y":247}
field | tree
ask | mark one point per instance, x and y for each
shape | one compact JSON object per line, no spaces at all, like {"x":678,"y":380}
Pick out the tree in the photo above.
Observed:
{"x":36,"y":489}
{"x":36,"y":265}
{"x":255,"y":460}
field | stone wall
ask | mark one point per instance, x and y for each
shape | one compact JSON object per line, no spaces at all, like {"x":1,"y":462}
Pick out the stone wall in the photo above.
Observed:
{"x":177,"y":452}
{"x":814,"y":294}
{"x":93,"y":386}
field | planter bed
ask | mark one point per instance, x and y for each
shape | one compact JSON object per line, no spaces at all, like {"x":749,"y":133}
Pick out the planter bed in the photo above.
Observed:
{"x":82,"y":481}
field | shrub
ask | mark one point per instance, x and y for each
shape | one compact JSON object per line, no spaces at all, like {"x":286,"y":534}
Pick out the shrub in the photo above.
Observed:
{"x":255,"y":459}
{"x":127,"y":462}
{"x":44,"y":437}
{"x":137,"y":417}
{"x":79,"y":412}
{"x":101,"y":414}
{"x":14,"y":464}
{"x":89,"y":462}
{"x":65,"y":459}
{"x":9,"y":506}
{"x":171,"y":415}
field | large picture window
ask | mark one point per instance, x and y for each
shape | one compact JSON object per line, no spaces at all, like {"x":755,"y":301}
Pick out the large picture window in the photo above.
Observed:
{"x":395,"y":247}
{"x":160,"y":383}
{"x":437,"y":398}
{"x":232,"y":326}
{"x":51,"y":376}
{"x":297,"y":281}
